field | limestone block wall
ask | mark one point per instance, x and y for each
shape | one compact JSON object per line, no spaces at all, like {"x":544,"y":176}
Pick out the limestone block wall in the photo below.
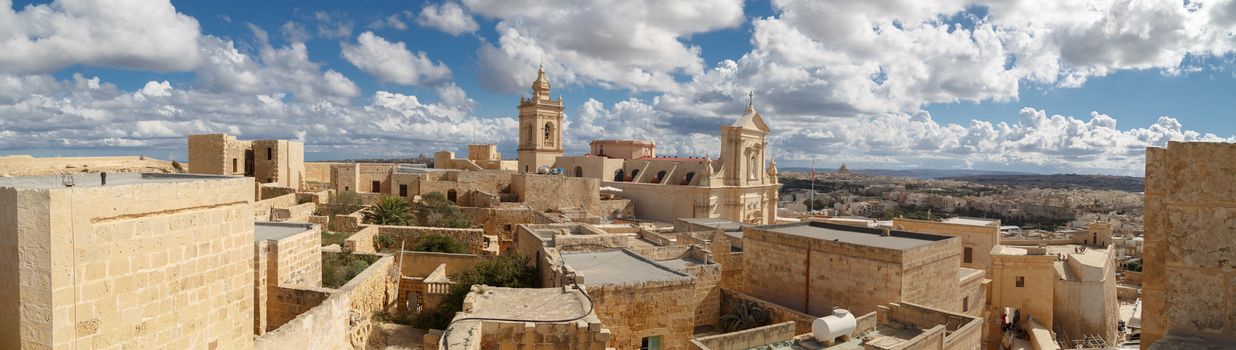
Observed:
{"x":747,"y":339}
{"x":706,"y":294}
{"x":285,"y":303}
{"x":347,"y":222}
{"x":929,"y":272}
{"x":638,"y":310}
{"x":776,"y":313}
{"x":980,"y":239}
{"x":262,"y":208}
{"x":1190,"y":247}
{"x":31,"y":166}
{"x":148,"y":265}
{"x":268,"y":191}
{"x":318,"y":171}
{"x":546,"y":192}
{"x":295,"y":213}
{"x":543,"y":336}
{"x":963,"y":332}
{"x":1036,"y":296}
{"x":342,"y":320}
{"x":299,"y":259}
{"x":362,"y":241}
{"x":218,"y":154}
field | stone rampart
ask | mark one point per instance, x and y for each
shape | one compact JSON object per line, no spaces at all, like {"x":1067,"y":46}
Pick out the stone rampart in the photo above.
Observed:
{"x":776,"y":313}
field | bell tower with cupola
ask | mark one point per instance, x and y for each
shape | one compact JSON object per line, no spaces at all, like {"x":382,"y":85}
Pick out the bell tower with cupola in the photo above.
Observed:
{"x":540,"y":126}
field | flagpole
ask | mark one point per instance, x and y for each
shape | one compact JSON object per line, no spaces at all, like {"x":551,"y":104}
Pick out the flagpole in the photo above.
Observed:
{"x":811,"y":197}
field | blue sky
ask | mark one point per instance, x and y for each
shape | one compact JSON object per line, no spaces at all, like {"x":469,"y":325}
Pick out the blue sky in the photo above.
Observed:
{"x":1058,"y":87}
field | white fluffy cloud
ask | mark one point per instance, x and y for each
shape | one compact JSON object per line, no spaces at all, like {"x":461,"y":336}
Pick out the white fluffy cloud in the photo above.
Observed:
{"x":136,"y":34}
{"x":844,"y":58}
{"x":638,"y":44}
{"x":87,"y":113}
{"x":1036,"y":142}
{"x":393,"y":62}
{"x":448,"y":17}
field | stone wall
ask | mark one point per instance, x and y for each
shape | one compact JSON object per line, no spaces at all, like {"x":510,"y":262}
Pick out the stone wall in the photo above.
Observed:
{"x":958,"y":331}
{"x":342,"y":320}
{"x":978,"y":239}
{"x":362,"y":241}
{"x":295,"y":213}
{"x":268,"y":191}
{"x":347,"y":222}
{"x":646,"y":309}
{"x":776,"y":313}
{"x":30,"y":166}
{"x":262,"y":208}
{"x":546,"y":192}
{"x":815,"y":276}
{"x":1190,"y":247}
{"x":747,"y":339}
{"x":706,"y":294}
{"x":285,"y":303}
{"x":318,"y":171}
{"x":81,"y":261}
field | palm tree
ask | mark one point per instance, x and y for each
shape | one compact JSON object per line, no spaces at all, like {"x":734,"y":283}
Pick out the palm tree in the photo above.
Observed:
{"x":389,"y":211}
{"x":744,"y":314}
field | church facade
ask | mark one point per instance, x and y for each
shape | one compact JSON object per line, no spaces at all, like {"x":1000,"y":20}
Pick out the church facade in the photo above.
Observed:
{"x":739,"y":186}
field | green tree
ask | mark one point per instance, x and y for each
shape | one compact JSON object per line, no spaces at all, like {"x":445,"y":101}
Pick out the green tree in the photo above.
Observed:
{"x":437,"y":243}
{"x":389,"y":211}
{"x":510,"y":271}
{"x":435,"y":210}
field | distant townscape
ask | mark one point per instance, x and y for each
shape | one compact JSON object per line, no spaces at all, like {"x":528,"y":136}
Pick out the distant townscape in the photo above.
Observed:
{"x":250,"y":246}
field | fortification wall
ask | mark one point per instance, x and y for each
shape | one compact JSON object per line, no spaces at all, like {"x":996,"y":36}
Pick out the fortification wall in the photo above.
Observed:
{"x":30,"y":166}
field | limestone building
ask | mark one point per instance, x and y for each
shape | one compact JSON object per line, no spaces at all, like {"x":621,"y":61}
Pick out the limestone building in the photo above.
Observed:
{"x":525,"y":318}
{"x":623,"y":149}
{"x":540,"y":127}
{"x":1069,"y":289}
{"x":978,"y":236}
{"x":813,"y":267}
{"x":280,"y":162}
{"x":740,"y":186}
{"x":1188,"y":285}
{"x":143,"y":261}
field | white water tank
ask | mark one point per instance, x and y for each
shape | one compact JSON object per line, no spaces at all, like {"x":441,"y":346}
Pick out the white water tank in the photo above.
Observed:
{"x":827,"y":328}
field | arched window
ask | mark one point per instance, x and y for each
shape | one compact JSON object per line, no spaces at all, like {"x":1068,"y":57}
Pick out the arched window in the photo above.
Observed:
{"x":579,"y":172}
{"x":634,"y":173}
{"x":687,"y":180}
{"x":660,"y":177}
{"x":618,"y":176}
{"x":549,"y":134}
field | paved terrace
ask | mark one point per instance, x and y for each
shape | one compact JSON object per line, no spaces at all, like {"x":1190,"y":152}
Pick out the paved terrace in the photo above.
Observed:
{"x":619,"y":267}
{"x":95,"y":180}
{"x":871,"y":237}
{"x":275,"y":231}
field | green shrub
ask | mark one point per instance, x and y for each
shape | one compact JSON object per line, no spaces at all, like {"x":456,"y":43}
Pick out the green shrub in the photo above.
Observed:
{"x":437,"y":243}
{"x":435,"y":210}
{"x":510,"y":271}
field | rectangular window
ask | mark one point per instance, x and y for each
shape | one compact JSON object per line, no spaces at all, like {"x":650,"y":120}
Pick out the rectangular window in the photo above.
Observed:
{"x":965,"y":304}
{"x":968,"y":257}
{"x":233,"y":165}
{"x":345,"y":189}
{"x":1021,"y":281}
{"x":377,"y":187}
{"x":403,"y":190}
{"x":506,"y":227}
{"x":650,"y":343}
{"x":269,"y":153}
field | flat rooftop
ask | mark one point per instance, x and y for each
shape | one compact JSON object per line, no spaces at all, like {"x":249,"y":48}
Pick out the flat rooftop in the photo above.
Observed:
{"x":717,"y":223}
{"x":619,"y":267}
{"x":273,"y":231}
{"x":961,"y":220}
{"x":865,"y":236}
{"x":95,"y":180}
{"x":525,"y":304}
